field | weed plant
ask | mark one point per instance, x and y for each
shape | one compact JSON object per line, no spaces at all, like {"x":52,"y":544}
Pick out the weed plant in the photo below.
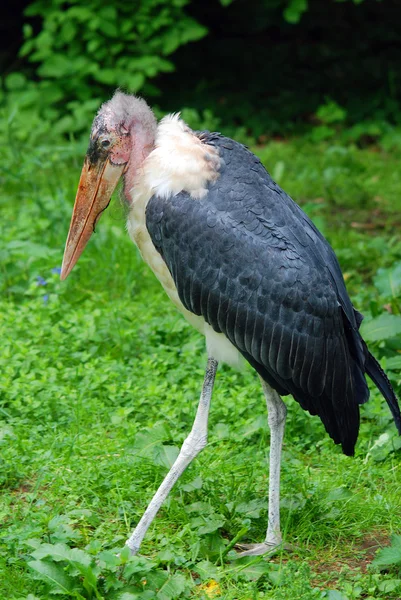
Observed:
{"x":100,"y":378}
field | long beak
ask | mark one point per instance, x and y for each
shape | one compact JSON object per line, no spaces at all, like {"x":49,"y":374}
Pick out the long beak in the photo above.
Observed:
{"x":95,"y":188}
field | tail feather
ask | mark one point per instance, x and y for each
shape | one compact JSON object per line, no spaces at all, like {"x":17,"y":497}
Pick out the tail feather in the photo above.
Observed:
{"x":378,"y":376}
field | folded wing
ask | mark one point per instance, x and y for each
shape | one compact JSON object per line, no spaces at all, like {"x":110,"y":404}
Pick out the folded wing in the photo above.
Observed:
{"x":248,"y":260}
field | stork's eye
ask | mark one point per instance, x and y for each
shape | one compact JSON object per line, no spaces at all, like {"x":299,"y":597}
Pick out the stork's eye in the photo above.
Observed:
{"x":105,"y":143}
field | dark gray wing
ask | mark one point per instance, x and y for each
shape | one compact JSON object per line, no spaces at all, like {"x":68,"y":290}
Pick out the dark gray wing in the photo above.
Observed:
{"x":248,"y":260}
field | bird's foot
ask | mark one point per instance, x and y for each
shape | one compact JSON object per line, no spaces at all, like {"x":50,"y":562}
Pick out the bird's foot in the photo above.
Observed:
{"x":263,"y":548}
{"x":134,"y":549}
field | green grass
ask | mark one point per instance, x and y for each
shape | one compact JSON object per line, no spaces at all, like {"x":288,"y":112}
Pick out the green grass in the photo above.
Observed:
{"x":99,"y":386}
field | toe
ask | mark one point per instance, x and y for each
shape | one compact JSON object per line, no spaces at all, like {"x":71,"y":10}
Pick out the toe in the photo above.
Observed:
{"x":256,"y":549}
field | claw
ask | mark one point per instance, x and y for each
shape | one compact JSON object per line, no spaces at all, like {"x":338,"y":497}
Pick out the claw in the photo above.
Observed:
{"x":263,"y":548}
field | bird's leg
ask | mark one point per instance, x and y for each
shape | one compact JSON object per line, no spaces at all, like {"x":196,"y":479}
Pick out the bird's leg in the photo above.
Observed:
{"x":193,"y":444}
{"x":276,"y":419}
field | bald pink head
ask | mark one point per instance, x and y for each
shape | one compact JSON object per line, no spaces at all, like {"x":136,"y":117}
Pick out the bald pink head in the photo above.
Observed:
{"x":122,"y":135}
{"x":124,"y":128}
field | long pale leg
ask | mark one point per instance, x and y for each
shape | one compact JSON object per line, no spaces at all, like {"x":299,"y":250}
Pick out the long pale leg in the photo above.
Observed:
{"x":191,"y":447}
{"x":276,"y":418}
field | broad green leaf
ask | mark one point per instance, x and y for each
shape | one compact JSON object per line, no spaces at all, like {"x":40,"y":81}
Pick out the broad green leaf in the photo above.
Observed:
{"x":381,"y":328}
{"x":276,"y":577}
{"x":389,"y":585}
{"x":6,"y":431}
{"x":385,"y":444}
{"x":253,"y":572}
{"x":133,"y":81}
{"x":293,"y":502}
{"x":335,"y":595}
{"x":57,"y":65}
{"x":121,"y":414}
{"x":107,"y":76}
{"x":173,"y":587}
{"x":15,"y":81}
{"x":207,"y":570}
{"x":251,"y":509}
{"x":278,"y":170}
{"x":52,"y":574}
{"x":109,"y":558}
{"x":388,"y":281}
{"x":33,"y":543}
{"x":340,"y":493}
{"x":165,"y":456}
{"x":84,"y":564}
{"x":68,"y":31}
{"x":255,"y":425}
{"x":201,"y":507}
{"x":61,"y":551}
{"x":393,"y":363}
{"x":319,"y":134}
{"x":221,"y":431}
{"x":331,"y":112}
{"x":56,"y":552}
{"x":138,"y":564}
{"x":108,"y":13}
{"x":389,"y":556}
{"x":195,"y":484}
{"x":108,"y":28}
{"x":125,"y":555}
{"x":145,"y":441}
{"x":156,"y":579}
{"x":295,"y":10}
{"x":30,"y":249}
{"x":208,"y":524}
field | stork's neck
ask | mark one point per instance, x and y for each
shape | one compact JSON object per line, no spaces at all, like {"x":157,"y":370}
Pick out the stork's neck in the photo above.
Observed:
{"x":143,"y":142}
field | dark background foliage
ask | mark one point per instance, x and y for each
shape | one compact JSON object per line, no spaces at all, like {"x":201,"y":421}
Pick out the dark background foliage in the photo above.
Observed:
{"x":257,"y":68}
{"x":264,"y":66}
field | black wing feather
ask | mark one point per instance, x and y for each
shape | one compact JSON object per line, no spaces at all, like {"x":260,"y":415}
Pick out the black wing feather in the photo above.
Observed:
{"x":248,"y":260}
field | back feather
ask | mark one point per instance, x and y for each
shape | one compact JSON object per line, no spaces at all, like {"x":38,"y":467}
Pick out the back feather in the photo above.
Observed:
{"x":248,"y":259}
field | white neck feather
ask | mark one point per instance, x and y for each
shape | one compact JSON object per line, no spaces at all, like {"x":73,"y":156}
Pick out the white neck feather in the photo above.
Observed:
{"x":179,"y":162}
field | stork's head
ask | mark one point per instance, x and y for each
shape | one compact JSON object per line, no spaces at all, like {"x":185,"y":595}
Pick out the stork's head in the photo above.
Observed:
{"x":122,"y":135}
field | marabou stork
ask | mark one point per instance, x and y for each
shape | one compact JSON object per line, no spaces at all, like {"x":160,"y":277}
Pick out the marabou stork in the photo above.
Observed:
{"x":245,"y":266}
